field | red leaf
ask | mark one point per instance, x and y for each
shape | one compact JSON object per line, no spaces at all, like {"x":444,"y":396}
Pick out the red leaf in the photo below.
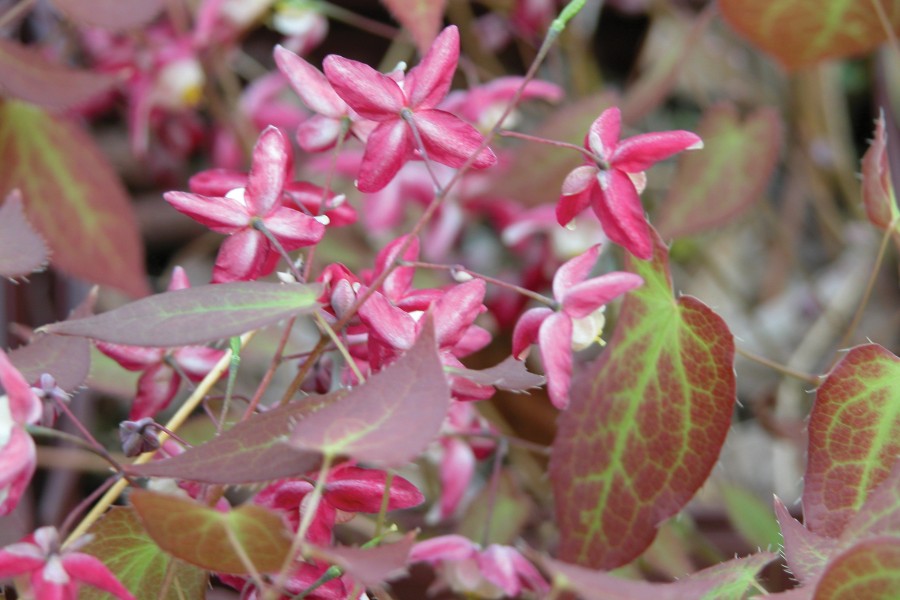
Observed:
{"x":801,"y":33}
{"x":728,"y":176}
{"x":646,"y":424}
{"x":880,"y":515}
{"x":75,"y":200}
{"x":111,"y":14}
{"x":728,"y":580}
{"x":250,"y":452}
{"x":870,"y":570}
{"x":197,"y":315}
{"x":391,"y":418}
{"x":369,"y":566}
{"x":805,"y":552}
{"x":854,"y":437}
{"x":205,"y":537}
{"x":22,"y":249}
{"x":27,"y":75}
{"x":510,"y":375}
{"x":877,"y":189}
{"x":421,"y":17}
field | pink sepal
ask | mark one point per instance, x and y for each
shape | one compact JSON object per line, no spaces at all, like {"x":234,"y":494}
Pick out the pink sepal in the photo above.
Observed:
{"x":156,"y":388}
{"x":310,"y":84}
{"x":371,"y":94}
{"x":525,"y":332}
{"x":555,"y":343}
{"x":456,"y":310}
{"x":18,"y":460}
{"x":94,"y":573}
{"x":222,"y":215}
{"x":451,"y":141}
{"x":24,"y":405}
{"x":443,"y":548}
{"x":457,"y":468}
{"x":269,"y":169}
{"x":619,"y":208}
{"x":428,"y":82}
{"x":353,"y":489}
{"x":641,"y":152}
{"x":574,"y":270}
{"x":586,"y":297}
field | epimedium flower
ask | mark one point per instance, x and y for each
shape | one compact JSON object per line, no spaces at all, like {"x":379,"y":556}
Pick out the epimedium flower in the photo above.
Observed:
{"x":54,"y":572}
{"x":246,"y":214}
{"x":18,"y":458}
{"x":398,"y":107}
{"x":574,"y":324}
{"x":614,"y":176}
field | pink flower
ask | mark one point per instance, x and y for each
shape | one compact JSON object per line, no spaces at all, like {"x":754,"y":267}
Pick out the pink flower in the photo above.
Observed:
{"x":19,"y":407}
{"x":398,"y":107}
{"x":483,"y":105}
{"x":160,"y":380}
{"x":614,"y":176}
{"x":245,"y":211}
{"x":55,"y":573}
{"x":576,"y":323}
{"x":495,"y":572}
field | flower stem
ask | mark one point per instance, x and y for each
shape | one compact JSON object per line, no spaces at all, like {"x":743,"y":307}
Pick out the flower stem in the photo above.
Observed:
{"x":498,"y":282}
{"x":323,"y":324}
{"x":814,"y":380}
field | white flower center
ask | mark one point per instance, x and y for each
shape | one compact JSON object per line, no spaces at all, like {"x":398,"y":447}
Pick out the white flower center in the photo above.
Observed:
{"x":588,"y":330}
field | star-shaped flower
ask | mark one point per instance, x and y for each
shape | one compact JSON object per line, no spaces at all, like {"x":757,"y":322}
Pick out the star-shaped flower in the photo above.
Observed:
{"x":576,"y":323}
{"x":614,"y":176}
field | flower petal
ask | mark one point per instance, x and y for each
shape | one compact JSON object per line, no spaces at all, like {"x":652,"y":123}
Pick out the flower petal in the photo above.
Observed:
{"x":555,"y":343}
{"x":222,"y":215}
{"x":451,"y":141}
{"x":310,"y":84}
{"x":24,"y":406}
{"x":89,"y":569}
{"x":640,"y":152}
{"x":371,"y":94}
{"x":497,"y":566}
{"x":243,"y":257}
{"x":156,"y":388}
{"x":586,"y":297}
{"x":456,"y":310}
{"x":526,"y":331}
{"x":293,"y":229}
{"x":457,"y":469}
{"x":570,"y":206}
{"x":197,"y":361}
{"x":574,"y":271}
{"x":269,"y":169}
{"x":619,"y":209}
{"x":318,"y":133}
{"x":451,"y":548}
{"x":133,"y":358}
{"x":353,"y":489}
{"x":216,"y":182}
{"x":387,"y":322}
{"x":388,"y":148}
{"x":18,"y":459}
{"x":398,"y":282}
{"x":427,"y":83}
{"x":603,"y":136}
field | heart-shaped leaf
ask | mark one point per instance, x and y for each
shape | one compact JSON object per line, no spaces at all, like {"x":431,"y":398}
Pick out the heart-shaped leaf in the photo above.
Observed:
{"x":801,"y":33}
{"x":149,"y":573}
{"x":195,"y":315}
{"x":22,"y":249}
{"x":727,"y":177}
{"x":646,"y":423}
{"x":870,"y":570}
{"x":391,"y":418}
{"x":250,"y":452}
{"x":205,"y":537}
{"x":74,"y":198}
{"x":854,"y":437}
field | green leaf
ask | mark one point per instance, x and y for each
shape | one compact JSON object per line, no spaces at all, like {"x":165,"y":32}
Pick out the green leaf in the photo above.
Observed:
{"x":205,"y":537}
{"x":646,"y":423}
{"x":391,"y":418}
{"x":149,"y":573}
{"x":854,"y":437}
{"x":801,"y":33}
{"x":195,"y":315}
{"x":751,"y":517}
{"x":870,"y":570}
{"x":73,"y":197}
{"x":728,"y":176}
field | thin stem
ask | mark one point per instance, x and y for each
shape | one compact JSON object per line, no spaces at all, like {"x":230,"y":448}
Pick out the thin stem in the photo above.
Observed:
{"x":270,"y":372}
{"x":857,"y":316}
{"x":174,"y":423}
{"x":360,"y":22}
{"x":533,"y":138}
{"x":512,"y":441}
{"x":406,"y":115}
{"x":232,"y":377}
{"x":323,"y":324}
{"x":499,"y":454}
{"x":813,"y":379}
{"x":498,"y":282}
{"x":92,"y":442}
{"x":330,"y":574}
{"x":261,"y":227}
{"x":887,"y":26}
{"x":245,"y":558}
{"x":75,"y":441}
{"x":67,"y":524}
{"x":385,"y":501}
{"x":10,"y":16}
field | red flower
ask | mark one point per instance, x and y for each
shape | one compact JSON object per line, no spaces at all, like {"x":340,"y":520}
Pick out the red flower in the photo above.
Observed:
{"x":614,"y":176}
{"x":397,"y":107}
{"x":244,"y":211}
{"x":577,"y":322}
{"x":19,"y":407}
{"x":55,"y":573}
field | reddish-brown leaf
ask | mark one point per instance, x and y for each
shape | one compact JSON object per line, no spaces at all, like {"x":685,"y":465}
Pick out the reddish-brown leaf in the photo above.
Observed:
{"x":205,"y":537}
{"x":727,"y":177}
{"x":421,"y":17}
{"x":854,"y":437}
{"x":250,"y":452}
{"x":391,"y":418}
{"x":870,"y":570}
{"x":726,"y":581}
{"x":646,"y":423}
{"x":805,"y":552}
{"x":880,"y":515}
{"x":27,"y":75}
{"x":510,"y":375}
{"x":369,"y":566}
{"x":74,"y":198}
{"x":111,"y":14}
{"x":22,"y":249}
{"x":877,"y":189}
{"x":801,"y":33}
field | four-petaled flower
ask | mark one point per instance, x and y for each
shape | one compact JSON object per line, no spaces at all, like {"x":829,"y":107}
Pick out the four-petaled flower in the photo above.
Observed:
{"x":614,"y":176}
{"x":249,"y":215}
{"x":402,"y":107}
{"x":54,"y":572}
{"x":575,"y":324}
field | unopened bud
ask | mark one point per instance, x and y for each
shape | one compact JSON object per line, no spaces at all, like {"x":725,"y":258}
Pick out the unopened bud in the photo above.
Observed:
{"x":139,"y":436}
